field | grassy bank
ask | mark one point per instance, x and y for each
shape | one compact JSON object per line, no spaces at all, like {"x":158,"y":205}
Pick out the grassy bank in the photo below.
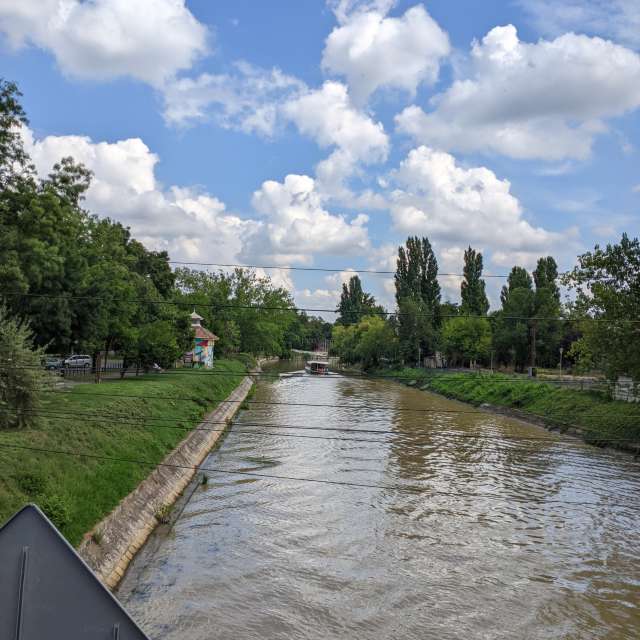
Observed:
{"x":117,"y":419}
{"x":602,"y":420}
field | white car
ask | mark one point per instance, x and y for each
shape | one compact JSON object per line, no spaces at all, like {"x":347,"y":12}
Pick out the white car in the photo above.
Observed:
{"x":78,"y":361}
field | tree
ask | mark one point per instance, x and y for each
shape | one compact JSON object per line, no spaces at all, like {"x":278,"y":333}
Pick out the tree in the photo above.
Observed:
{"x":466,"y":340}
{"x":354,"y":302}
{"x":607,"y":285}
{"x":418,"y":299}
{"x":511,"y":324}
{"x":472,"y":289}
{"x":14,"y":161}
{"x":22,"y":378}
{"x":546,"y":334}
{"x":261,"y":314}
{"x":369,"y":342}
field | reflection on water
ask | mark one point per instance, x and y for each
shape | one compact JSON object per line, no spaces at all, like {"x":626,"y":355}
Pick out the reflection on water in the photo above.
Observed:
{"x":514,"y":532}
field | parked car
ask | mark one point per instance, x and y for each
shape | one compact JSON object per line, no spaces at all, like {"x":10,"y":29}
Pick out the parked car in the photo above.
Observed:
{"x":52,"y":363}
{"x":78,"y":361}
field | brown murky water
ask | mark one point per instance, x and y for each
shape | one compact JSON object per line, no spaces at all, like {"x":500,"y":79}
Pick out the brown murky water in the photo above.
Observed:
{"x":518,"y":534}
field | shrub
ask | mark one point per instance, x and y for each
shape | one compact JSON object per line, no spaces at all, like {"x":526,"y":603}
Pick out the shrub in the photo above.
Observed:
{"x":33,"y":484}
{"x":22,"y":377}
{"x":57,"y":509}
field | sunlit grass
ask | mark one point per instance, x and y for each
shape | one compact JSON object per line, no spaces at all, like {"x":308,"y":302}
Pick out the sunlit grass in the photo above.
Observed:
{"x":602,"y":419}
{"x":81,"y":491}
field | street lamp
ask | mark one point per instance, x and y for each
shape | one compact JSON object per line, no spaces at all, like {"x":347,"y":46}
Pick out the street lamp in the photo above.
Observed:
{"x":561,"y":351}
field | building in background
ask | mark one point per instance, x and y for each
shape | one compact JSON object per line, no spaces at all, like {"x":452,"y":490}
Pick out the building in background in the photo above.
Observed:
{"x":204,"y":344}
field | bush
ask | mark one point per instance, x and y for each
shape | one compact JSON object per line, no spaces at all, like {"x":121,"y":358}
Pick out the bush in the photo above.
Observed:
{"x":22,"y":378}
{"x":33,"y":484}
{"x":57,"y":509}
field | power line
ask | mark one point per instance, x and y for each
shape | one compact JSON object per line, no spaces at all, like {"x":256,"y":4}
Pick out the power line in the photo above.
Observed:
{"x":320,"y":378}
{"x":361,"y":485}
{"x":173,"y":424}
{"x":258,"y":307}
{"x":372,"y":407}
{"x":321,"y":269}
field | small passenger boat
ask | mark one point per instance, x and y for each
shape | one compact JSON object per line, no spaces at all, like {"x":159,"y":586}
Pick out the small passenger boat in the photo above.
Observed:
{"x":317,"y":367}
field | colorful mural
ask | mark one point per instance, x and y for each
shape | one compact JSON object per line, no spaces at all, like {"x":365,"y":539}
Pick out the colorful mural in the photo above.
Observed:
{"x":203,"y":351}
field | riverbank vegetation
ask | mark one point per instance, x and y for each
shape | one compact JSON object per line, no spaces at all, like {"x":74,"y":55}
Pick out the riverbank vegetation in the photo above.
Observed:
{"x":84,"y":284}
{"x":598,"y":330}
{"x":603,"y":421}
{"x":132,"y":419}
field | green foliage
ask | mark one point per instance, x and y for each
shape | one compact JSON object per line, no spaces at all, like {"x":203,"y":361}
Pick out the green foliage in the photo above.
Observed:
{"x":57,"y":508}
{"x":472,"y":289}
{"x":90,"y":488}
{"x":418,"y":299}
{"x":355,"y":303}
{"x":258,"y":314}
{"x":13,"y":159}
{"x":32,"y":483}
{"x":607,"y":284}
{"x":603,"y":421}
{"x":369,"y":342}
{"x":22,"y":379}
{"x":466,"y":340}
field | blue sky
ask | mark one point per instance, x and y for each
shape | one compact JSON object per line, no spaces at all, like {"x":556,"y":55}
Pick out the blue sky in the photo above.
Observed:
{"x":323,"y":133}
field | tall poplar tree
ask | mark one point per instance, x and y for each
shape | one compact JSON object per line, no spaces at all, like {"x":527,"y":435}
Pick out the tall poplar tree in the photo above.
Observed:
{"x":472,"y":289}
{"x":355,"y":303}
{"x":418,"y":298}
{"x":512,"y":323}
{"x":546,"y":334}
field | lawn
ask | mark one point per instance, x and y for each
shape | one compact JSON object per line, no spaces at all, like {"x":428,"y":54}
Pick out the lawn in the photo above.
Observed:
{"x":603,"y":420}
{"x":116,"y":419}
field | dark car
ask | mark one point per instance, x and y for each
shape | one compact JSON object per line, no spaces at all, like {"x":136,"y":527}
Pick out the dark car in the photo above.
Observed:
{"x":52,"y":363}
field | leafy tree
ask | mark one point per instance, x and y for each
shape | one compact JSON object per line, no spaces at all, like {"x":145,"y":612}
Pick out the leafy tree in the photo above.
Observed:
{"x":607,"y":285}
{"x":369,"y":342}
{"x":261,"y":314}
{"x":14,"y":161}
{"x":354,"y":302}
{"x":472,"y":289}
{"x":376,"y":342}
{"x":547,"y":333}
{"x":22,"y":378}
{"x":466,"y":340}
{"x":449,"y":310}
{"x":512,"y":324}
{"x":418,"y":298}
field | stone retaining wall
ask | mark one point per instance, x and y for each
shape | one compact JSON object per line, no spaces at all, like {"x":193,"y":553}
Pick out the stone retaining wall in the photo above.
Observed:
{"x":110,"y":546}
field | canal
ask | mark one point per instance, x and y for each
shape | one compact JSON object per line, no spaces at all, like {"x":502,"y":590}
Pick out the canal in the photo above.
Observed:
{"x":463,"y":524}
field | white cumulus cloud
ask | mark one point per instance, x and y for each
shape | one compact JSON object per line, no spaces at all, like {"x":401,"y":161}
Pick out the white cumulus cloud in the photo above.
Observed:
{"x":248,"y":100}
{"x":295,"y":226}
{"x":546,"y":100}
{"x":374,"y":51}
{"x":149,"y":40}
{"x":328,"y":116}
{"x":616,"y":19}
{"x":190,"y":224}
{"x":455,"y":206}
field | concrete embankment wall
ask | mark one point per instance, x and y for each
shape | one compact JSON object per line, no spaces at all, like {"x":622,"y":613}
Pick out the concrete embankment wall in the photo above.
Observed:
{"x":110,"y":546}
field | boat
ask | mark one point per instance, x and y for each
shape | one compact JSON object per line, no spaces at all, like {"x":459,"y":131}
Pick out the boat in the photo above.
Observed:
{"x":317,"y":367}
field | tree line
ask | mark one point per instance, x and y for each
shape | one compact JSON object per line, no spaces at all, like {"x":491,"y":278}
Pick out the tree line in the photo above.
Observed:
{"x":84,"y":284}
{"x":598,"y":327}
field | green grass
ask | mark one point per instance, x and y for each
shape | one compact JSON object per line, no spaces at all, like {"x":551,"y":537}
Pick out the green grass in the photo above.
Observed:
{"x":603,"y":420}
{"x":78,"y":492}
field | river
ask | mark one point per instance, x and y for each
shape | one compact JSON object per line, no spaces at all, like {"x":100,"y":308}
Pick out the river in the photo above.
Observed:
{"x":464,"y":525}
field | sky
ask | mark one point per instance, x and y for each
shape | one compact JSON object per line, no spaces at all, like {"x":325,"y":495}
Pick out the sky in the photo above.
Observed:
{"x":323,"y":133}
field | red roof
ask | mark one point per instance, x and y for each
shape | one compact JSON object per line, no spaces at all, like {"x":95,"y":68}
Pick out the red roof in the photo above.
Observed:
{"x":204,"y":334}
